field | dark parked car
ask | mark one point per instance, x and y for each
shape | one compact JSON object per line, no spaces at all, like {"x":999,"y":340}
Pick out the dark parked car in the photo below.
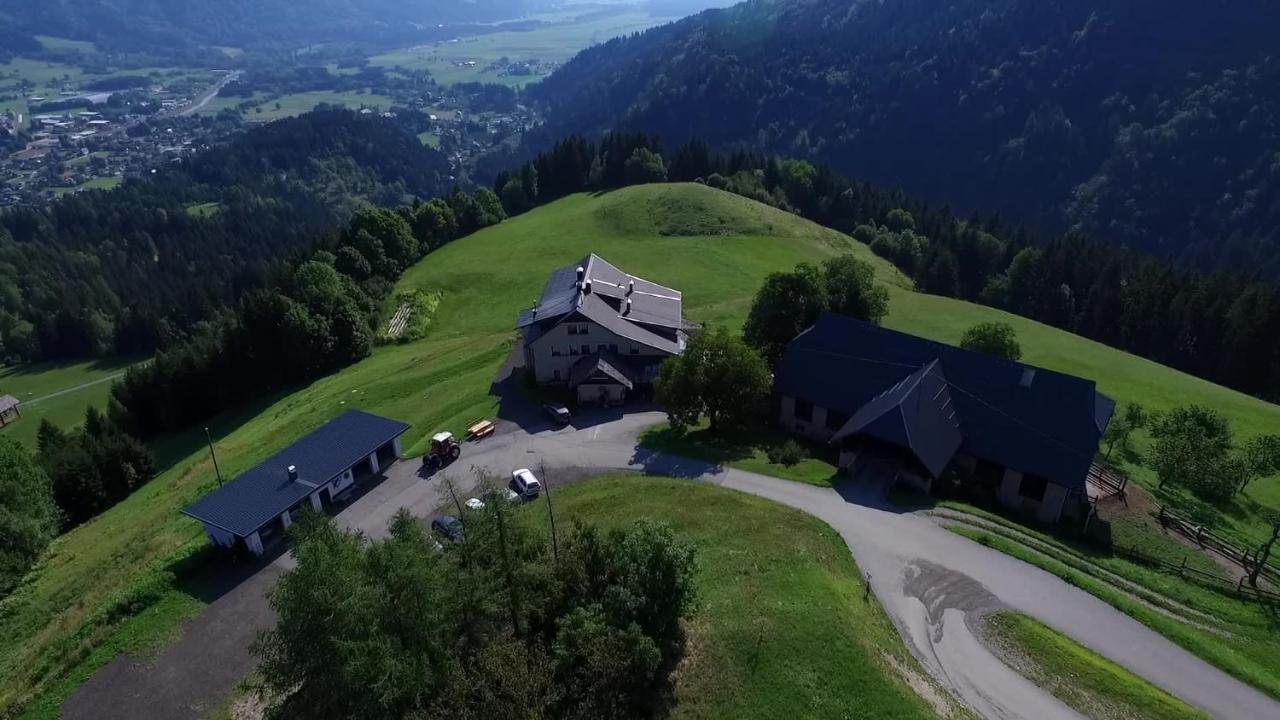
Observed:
{"x":448,"y":527}
{"x":559,"y":413}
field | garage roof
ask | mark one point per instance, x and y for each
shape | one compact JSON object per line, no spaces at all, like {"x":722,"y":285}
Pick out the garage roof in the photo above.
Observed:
{"x":264,"y":492}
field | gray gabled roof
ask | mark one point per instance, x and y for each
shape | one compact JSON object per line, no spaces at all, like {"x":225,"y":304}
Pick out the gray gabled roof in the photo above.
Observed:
{"x":265,"y":491}
{"x":601,"y":364}
{"x":8,"y":402}
{"x":629,"y":306}
{"x":916,"y":414}
{"x":1034,"y":420}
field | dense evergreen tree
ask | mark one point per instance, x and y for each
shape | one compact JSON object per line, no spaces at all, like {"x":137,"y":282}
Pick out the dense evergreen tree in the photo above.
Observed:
{"x":1151,"y":124}
{"x":28,"y":517}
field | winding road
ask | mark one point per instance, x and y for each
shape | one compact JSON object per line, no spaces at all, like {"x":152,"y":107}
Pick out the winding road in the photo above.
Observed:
{"x":935,"y":585}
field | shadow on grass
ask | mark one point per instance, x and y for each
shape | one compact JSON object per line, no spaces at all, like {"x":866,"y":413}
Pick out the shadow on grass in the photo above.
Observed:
{"x":172,"y":449}
{"x":703,"y":444}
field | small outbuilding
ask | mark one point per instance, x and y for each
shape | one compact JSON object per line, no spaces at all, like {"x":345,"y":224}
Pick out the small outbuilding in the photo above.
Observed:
{"x":10,"y":409}
{"x":257,"y":507}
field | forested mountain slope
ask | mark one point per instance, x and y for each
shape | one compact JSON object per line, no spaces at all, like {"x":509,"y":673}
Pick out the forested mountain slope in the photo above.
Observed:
{"x":128,"y":269}
{"x":1150,"y":123}
{"x":148,"y":24}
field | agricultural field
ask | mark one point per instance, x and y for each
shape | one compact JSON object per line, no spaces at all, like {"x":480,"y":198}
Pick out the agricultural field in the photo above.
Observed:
{"x":291,"y":105}
{"x":99,"y":183}
{"x":117,"y":577}
{"x":430,"y":139}
{"x":560,"y":38}
{"x":64,"y":45}
{"x":57,"y":391}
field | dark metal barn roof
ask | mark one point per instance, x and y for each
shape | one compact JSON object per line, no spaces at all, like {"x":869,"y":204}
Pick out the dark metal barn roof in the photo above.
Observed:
{"x":265,"y":491}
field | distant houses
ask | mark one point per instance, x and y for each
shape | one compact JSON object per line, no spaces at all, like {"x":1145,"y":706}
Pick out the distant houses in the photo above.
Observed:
{"x":925,"y":410}
{"x":601,"y":332}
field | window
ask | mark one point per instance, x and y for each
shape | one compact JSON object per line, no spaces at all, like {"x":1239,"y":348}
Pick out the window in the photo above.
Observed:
{"x":635,"y":349}
{"x":582,"y":329}
{"x":573,"y":329}
{"x":804,"y":410}
{"x":600,"y":347}
{"x":1033,"y":487}
{"x":573,"y":349}
{"x":836,"y":420}
{"x":555,"y":350}
{"x":586,"y":349}
{"x":613,"y":347}
{"x":555,"y":375}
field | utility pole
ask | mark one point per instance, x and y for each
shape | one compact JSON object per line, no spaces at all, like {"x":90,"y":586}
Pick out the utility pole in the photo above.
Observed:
{"x":213,"y":455}
{"x":449,"y":484}
{"x":551,"y":512}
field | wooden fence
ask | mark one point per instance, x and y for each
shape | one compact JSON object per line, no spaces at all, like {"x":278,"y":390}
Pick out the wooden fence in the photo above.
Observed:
{"x":1240,"y":588}
{"x":1246,"y":558}
{"x":1108,"y":481}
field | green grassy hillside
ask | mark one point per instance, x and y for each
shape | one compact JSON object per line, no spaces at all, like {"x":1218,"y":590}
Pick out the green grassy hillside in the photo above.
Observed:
{"x":96,"y":585}
{"x":807,"y":640}
{"x":57,"y":391}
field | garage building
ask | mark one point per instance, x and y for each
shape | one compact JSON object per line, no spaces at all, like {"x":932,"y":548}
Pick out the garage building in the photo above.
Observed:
{"x":257,"y":507}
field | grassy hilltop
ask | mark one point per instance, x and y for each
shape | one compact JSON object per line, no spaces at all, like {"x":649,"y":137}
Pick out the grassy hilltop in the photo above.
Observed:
{"x":106,"y":585}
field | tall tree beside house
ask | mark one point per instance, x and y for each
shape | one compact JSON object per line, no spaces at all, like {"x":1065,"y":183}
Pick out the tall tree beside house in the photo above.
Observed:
{"x":790,"y":302}
{"x":1191,"y":448}
{"x":852,"y":289}
{"x":28,"y":517}
{"x":1261,"y":456}
{"x":1123,"y":423}
{"x":718,"y":376}
{"x":785,"y":305}
{"x":993,"y":338}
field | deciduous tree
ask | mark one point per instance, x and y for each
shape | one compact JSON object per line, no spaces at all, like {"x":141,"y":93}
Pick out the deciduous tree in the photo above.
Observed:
{"x":718,"y":376}
{"x":993,"y":338}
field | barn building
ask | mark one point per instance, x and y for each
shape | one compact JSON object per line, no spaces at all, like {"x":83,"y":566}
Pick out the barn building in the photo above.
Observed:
{"x":890,"y":399}
{"x":257,"y":507}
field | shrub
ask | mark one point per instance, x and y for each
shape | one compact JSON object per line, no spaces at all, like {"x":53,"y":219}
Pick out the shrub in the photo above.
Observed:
{"x":789,"y":453}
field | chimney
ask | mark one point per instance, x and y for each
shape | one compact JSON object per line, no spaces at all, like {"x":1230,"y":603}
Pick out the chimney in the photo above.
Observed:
{"x":586,"y":287}
{"x":293,"y":473}
{"x":627,"y":311}
{"x":581,"y":273}
{"x":631,"y":287}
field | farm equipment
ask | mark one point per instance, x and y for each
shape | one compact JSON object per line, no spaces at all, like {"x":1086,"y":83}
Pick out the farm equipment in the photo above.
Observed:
{"x":444,"y":450}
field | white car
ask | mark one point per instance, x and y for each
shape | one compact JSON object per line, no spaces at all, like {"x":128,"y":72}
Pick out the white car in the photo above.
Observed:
{"x":474,"y":504}
{"x":526,"y":484}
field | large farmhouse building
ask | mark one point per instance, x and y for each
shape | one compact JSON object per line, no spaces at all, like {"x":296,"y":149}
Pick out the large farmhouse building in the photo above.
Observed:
{"x":1027,"y":433}
{"x":258,"y":506}
{"x":601,"y":332}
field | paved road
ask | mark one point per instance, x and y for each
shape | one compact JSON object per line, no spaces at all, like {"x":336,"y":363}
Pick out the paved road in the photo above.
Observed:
{"x":209,"y":95}
{"x":934,"y":584}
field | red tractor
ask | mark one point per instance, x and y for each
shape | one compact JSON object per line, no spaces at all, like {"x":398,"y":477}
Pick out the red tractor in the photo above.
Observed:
{"x":444,"y":450}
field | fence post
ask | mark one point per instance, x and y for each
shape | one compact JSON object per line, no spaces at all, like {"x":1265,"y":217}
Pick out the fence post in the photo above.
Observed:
{"x":1182,"y":570}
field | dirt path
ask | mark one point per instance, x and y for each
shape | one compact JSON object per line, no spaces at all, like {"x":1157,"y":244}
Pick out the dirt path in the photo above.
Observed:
{"x":76,"y":388}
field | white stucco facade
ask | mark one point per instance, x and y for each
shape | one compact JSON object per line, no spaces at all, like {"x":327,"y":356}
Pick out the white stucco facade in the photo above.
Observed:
{"x":555,"y":351}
